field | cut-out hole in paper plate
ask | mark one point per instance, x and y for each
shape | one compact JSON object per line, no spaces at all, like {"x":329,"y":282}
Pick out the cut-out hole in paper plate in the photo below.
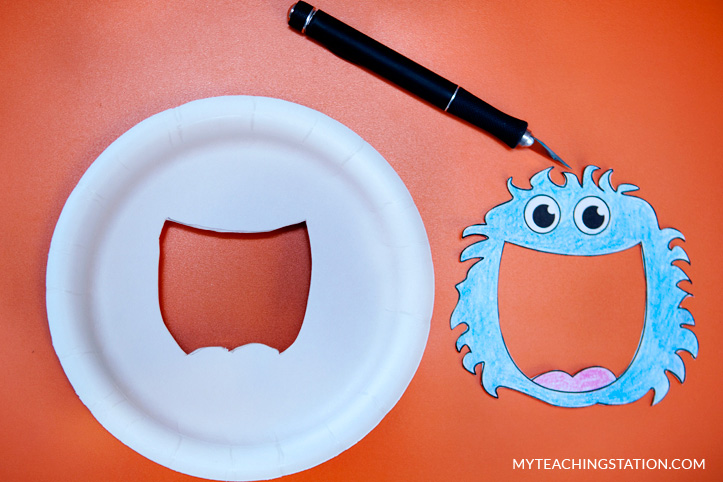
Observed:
{"x":232,"y":289}
{"x":240,"y":165}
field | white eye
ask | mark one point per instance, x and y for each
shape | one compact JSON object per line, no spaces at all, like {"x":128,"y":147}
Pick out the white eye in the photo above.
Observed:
{"x":542,"y":214}
{"x":592,"y":215}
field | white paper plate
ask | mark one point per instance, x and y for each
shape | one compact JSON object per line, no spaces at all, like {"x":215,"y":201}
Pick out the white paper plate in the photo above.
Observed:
{"x":241,"y":164}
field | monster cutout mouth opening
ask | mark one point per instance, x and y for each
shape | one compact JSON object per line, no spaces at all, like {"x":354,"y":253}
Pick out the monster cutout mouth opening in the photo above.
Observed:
{"x":572,"y":330}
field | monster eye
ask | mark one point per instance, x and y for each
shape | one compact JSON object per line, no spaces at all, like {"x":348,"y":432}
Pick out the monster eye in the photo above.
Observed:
{"x":542,"y":214}
{"x":592,"y":215}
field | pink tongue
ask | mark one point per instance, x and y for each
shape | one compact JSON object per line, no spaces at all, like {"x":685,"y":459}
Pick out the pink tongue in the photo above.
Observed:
{"x":583,"y":381}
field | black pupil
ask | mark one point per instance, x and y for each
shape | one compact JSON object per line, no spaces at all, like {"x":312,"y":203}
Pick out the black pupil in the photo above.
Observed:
{"x":591,"y":218}
{"x":542,"y":216}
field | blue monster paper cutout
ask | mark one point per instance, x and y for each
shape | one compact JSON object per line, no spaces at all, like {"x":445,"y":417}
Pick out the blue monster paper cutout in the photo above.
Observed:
{"x":581,"y":219}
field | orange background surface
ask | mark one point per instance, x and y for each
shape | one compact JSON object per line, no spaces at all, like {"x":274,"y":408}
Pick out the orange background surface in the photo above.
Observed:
{"x":633,"y":86}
